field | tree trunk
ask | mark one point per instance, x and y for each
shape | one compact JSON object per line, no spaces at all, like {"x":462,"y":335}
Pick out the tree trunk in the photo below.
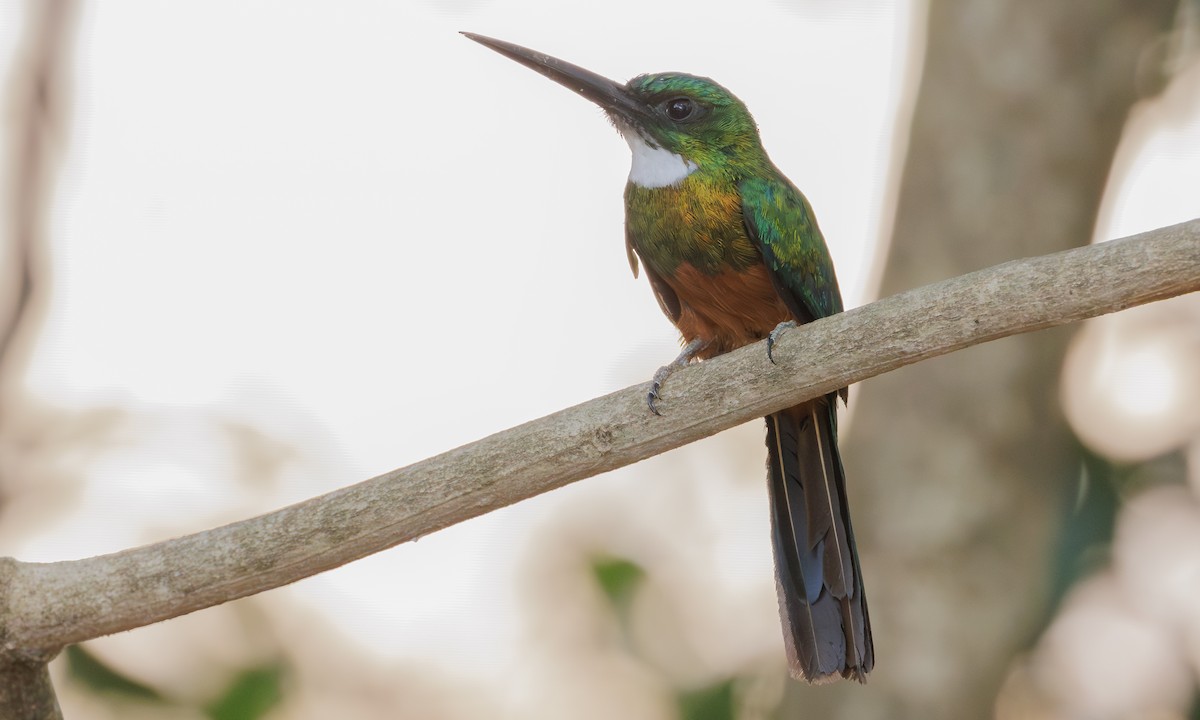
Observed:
{"x":960,"y":467}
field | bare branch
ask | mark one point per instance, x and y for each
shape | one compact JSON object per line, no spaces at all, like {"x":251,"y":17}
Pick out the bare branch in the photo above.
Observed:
{"x":46,"y":606}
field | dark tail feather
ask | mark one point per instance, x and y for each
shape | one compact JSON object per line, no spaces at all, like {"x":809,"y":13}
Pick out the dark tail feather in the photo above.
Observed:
{"x":826,"y":628}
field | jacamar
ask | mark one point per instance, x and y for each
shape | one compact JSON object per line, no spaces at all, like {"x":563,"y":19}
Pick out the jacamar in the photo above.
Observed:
{"x":734,"y":255}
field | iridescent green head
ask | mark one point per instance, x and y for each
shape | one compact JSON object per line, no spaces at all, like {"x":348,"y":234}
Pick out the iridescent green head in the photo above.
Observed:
{"x":692,"y":117}
{"x":674,"y":123}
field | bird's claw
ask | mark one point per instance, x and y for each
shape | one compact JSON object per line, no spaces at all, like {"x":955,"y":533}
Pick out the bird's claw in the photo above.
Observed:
{"x":774,"y":336}
{"x":652,"y":396}
{"x":660,"y":377}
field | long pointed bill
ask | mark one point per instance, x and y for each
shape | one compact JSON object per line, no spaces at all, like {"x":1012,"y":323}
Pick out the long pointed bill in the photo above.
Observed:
{"x":607,"y":94}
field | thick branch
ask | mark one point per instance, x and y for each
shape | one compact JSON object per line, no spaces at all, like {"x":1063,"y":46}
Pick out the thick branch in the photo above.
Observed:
{"x":26,"y":691}
{"x":46,"y":606}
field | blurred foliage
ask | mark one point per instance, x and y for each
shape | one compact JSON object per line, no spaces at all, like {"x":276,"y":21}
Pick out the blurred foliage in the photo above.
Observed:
{"x":714,"y":702}
{"x":619,"y":578}
{"x":1087,"y":530}
{"x":89,"y":671}
{"x":1086,"y":542}
{"x":251,"y":695}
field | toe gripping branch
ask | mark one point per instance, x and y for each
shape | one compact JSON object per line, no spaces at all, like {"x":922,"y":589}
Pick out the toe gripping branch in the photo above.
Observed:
{"x":660,"y":377}
{"x":777,"y":333}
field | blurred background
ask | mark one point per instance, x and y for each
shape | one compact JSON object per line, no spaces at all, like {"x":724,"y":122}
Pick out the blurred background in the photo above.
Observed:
{"x":251,"y":252}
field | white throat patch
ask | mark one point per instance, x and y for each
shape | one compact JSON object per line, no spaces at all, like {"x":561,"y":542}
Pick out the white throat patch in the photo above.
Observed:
{"x":654,"y":167}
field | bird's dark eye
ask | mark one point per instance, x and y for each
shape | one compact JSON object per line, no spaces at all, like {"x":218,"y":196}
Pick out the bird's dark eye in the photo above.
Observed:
{"x":680,"y":109}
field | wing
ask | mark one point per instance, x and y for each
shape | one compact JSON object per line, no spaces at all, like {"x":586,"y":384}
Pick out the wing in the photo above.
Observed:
{"x":781,"y":223}
{"x":667,"y":299}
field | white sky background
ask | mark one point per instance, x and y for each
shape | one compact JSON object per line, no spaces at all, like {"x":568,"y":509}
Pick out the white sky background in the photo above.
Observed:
{"x":376,"y":240}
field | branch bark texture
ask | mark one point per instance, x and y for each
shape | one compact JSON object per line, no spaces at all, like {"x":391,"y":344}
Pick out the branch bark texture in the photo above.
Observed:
{"x":44,"y":606}
{"x":26,"y":691}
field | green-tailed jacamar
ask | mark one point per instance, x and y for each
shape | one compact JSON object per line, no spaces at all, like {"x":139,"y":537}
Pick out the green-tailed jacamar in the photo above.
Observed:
{"x":733,"y":253}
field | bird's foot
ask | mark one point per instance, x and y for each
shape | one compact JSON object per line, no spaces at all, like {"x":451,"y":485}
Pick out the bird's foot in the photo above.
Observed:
{"x":774,"y":336}
{"x":660,"y":377}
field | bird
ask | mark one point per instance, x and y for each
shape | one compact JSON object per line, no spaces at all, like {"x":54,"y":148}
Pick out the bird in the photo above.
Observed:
{"x":734,"y":255}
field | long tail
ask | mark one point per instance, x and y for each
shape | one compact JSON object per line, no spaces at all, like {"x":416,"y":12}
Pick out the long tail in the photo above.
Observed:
{"x":826,"y":628}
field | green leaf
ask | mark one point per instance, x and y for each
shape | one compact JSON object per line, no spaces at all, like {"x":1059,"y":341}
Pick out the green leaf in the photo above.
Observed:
{"x":714,"y":702}
{"x":619,"y":579}
{"x":100,"y":678}
{"x":252,"y":694}
{"x":1088,"y":524}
